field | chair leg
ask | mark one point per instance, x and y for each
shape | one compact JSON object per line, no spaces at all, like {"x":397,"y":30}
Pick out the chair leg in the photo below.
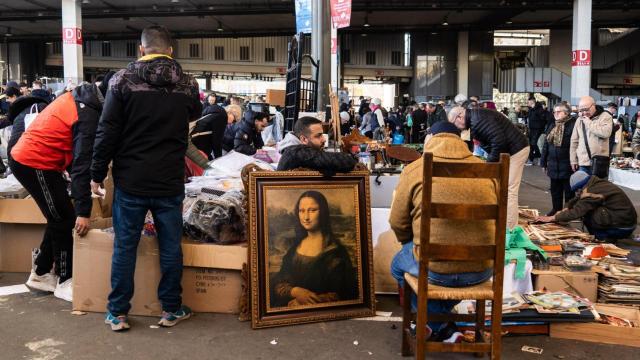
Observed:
{"x":421,"y":328}
{"x":406,"y":321}
{"x":480,"y":314}
{"x":496,"y":329}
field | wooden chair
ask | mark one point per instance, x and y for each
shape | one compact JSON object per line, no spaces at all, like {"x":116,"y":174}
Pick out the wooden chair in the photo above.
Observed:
{"x":490,"y":290}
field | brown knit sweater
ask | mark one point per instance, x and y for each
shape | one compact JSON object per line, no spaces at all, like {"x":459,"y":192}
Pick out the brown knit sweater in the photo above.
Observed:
{"x":406,"y":208}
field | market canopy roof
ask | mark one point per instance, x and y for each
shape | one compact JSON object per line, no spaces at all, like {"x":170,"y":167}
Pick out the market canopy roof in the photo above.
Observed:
{"x":196,"y":18}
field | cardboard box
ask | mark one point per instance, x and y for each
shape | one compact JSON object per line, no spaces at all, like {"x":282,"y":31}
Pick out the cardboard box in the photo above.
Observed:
{"x":583,"y":284}
{"x":275,"y":97}
{"x":602,"y":333}
{"x":211,"y":279}
{"x":22,"y":227}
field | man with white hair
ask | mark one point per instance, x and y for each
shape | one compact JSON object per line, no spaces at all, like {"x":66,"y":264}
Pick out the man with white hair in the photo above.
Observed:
{"x":379,"y":116}
{"x":497,"y":135}
{"x":591,"y":134}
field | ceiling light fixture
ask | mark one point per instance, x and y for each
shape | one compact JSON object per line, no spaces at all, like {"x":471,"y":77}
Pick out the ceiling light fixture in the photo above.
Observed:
{"x":509,"y":22}
{"x":8,"y":34}
{"x":366,"y":21}
{"x":86,"y":2}
{"x":444,"y":22}
{"x":175,"y":1}
{"x":220,"y":29}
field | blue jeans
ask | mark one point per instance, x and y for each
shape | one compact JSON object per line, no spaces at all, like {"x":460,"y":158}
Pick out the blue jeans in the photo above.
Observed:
{"x":586,"y":169}
{"x":405,"y":262}
{"x":129,"y":212}
{"x":610,"y":233}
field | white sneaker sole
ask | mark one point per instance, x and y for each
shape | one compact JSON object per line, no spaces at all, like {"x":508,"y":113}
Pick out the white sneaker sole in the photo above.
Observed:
{"x":40,"y":286}
{"x":62,"y":296}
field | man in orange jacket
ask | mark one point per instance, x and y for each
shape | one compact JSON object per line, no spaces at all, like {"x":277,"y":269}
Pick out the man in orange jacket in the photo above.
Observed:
{"x":59,"y":139}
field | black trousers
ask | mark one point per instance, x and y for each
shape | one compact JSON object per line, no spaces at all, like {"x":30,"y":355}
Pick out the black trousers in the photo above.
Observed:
{"x":560,"y":189}
{"x":49,"y":190}
{"x":534,"y":135}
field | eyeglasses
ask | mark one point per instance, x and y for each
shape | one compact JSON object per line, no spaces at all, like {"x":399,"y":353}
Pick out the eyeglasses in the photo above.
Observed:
{"x":585,"y":109}
{"x":558,"y":112}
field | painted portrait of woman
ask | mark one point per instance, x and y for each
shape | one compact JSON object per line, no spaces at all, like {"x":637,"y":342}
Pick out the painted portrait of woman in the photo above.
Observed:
{"x":317,"y":267}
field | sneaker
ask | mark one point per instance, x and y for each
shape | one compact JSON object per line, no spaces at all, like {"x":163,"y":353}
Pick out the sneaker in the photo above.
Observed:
{"x":64,"y":291}
{"x":455,"y":338}
{"x":446,"y":332}
{"x":47,"y":282}
{"x":529,"y":163}
{"x":118,"y":323}
{"x":170,"y":319}
{"x":412,"y":330}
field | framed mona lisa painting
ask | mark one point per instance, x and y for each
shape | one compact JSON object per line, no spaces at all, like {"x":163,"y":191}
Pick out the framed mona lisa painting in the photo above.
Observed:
{"x":310,"y":248}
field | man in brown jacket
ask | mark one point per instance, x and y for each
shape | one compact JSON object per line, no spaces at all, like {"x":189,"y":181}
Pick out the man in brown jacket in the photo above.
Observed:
{"x":604,"y":208}
{"x":598,"y":125}
{"x":446,"y":145}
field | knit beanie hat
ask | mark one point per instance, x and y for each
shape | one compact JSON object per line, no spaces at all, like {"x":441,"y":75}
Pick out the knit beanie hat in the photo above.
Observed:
{"x":578,"y":180}
{"x":444,"y":127}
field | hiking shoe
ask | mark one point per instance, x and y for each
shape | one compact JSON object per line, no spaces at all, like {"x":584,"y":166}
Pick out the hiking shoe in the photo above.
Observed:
{"x":170,"y":319}
{"x":117,"y":323}
{"x":64,"y":291}
{"x":47,"y":282}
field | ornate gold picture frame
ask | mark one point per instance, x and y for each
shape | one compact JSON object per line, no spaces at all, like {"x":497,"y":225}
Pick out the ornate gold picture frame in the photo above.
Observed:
{"x":310,"y":247}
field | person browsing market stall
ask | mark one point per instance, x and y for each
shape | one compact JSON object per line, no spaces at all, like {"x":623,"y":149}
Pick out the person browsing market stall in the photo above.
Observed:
{"x":247,"y":139}
{"x":304,"y":148}
{"x":59,"y":139}
{"x":605,"y":210}
{"x":446,"y":145}
{"x":497,"y":135}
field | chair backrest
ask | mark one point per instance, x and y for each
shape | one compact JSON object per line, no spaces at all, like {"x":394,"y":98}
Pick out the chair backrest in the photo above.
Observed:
{"x":472,"y":212}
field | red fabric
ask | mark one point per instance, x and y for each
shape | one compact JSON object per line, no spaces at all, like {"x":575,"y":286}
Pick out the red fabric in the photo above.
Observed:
{"x":190,"y":167}
{"x":48,"y":142}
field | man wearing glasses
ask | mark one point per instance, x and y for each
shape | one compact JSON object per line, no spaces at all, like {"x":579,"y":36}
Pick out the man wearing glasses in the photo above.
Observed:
{"x":598,"y":125}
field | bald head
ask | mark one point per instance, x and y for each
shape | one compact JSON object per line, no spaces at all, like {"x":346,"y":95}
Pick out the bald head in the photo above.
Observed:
{"x":457,"y":116}
{"x":587,"y":106}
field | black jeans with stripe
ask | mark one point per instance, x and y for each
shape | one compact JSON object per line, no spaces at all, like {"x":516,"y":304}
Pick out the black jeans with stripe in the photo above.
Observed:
{"x":49,"y":190}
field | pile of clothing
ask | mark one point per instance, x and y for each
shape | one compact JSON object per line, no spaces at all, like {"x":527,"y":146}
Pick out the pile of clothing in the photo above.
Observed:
{"x":218,"y":218}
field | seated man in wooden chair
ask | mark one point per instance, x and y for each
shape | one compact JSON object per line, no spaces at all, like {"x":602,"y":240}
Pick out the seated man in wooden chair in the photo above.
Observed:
{"x":446,"y":145}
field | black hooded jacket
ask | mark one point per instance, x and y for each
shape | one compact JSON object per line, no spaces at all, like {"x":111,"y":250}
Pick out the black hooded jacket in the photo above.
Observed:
{"x":247,"y":140}
{"x":144,"y":127}
{"x":208,"y":133}
{"x":495,"y":132}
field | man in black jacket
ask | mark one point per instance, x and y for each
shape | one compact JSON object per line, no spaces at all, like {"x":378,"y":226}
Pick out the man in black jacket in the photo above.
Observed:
{"x":248,"y":139}
{"x":144,"y":130}
{"x":536,"y":121}
{"x":497,"y":135}
{"x":419,"y":119}
{"x":208,"y":132}
{"x":304,"y":148}
{"x":435,"y":113}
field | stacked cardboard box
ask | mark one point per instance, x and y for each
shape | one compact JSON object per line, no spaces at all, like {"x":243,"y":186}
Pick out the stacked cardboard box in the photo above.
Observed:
{"x":211,"y":280}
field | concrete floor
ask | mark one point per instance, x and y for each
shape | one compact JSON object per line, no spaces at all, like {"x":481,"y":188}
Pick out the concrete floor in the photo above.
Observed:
{"x":39,"y":326}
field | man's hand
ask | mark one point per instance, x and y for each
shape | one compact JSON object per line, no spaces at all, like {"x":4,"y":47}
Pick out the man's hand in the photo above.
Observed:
{"x":545,"y":219}
{"x":82,"y":225}
{"x":96,"y":188}
{"x":574,"y":167}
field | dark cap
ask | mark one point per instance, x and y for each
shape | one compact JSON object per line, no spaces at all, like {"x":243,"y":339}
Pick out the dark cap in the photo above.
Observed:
{"x":444,"y":127}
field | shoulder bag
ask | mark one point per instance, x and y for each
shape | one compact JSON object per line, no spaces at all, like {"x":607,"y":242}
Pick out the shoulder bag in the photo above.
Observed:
{"x":599,"y":163}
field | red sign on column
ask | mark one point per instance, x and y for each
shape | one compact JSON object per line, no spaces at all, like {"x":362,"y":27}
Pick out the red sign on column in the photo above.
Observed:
{"x":341,"y":13}
{"x":537,"y":83}
{"x":545,"y":84}
{"x":581,"y":58}
{"x":72,"y":36}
